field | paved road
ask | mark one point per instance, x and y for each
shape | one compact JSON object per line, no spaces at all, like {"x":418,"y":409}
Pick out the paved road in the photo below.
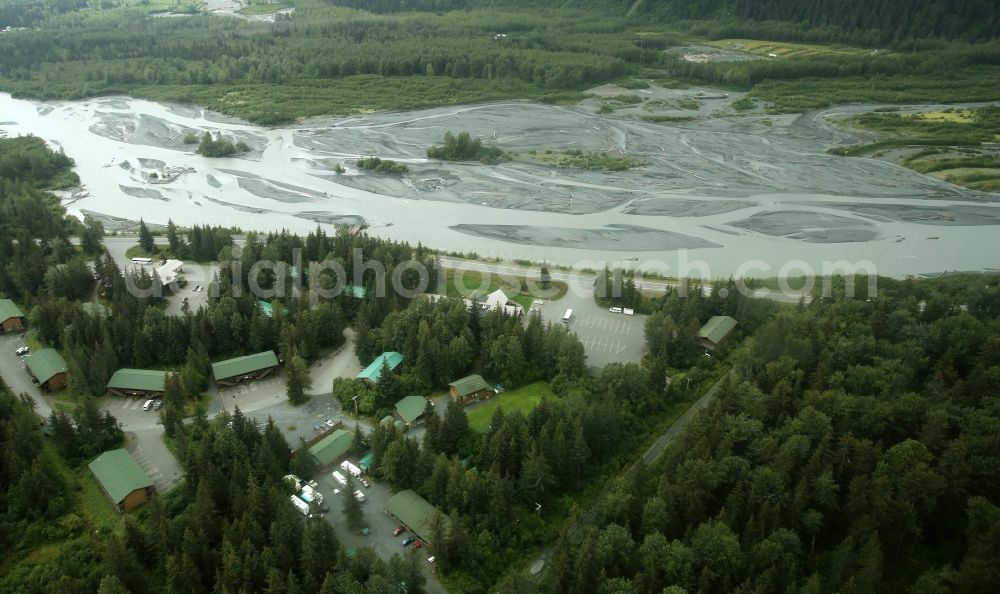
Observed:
{"x":655,"y":450}
{"x":647,"y":458}
{"x":583,"y":283}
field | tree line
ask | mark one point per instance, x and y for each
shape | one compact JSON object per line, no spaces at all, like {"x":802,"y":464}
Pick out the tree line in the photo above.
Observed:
{"x":852,"y":450}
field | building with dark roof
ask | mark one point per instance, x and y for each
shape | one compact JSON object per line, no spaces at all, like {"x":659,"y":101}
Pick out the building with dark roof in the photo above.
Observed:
{"x":247,"y":368}
{"x":12,"y":319}
{"x":715,"y":331}
{"x":144,"y":383}
{"x":333,"y":447}
{"x":411,"y":408}
{"x":48,"y":369}
{"x":373,"y":372}
{"x":124,"y":482}
{"x":470,"y":388}
{"x":417,"y":514}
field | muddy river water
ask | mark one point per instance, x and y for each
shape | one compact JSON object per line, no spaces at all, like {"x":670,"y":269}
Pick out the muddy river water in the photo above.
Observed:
{"x":729,"y":194}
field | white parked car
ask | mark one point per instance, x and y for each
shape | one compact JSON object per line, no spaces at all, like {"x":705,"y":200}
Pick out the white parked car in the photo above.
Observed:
{"x":615,"y":310}
{"x":628,"y":311}
{"x":22,"y":351}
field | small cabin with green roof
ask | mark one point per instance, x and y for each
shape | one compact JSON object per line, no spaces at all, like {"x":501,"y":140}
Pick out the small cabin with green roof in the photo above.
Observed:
{"x":411,"y":408}
{"x":470,"y":388}
{"x":48,"y":369}
{"x":123,"y":481}
{"x":12,"y":319}
{"x":715,"y":330}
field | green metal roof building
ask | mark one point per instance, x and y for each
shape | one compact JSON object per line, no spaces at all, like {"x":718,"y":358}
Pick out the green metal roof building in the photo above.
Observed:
{"x":365,"y":463}
{"x":715,"y":331}
{"x":48,"y":368}
{"x":248,"y":367}
{"x":374,"y":369}
{"x":138,"y":382}
{"x":11,"y":317}
{"x":124,"y":482}
{"x":470,"y":388}
{"x":411,"y":408}
{"x":332,"y":447}
{"x":416,"y":513}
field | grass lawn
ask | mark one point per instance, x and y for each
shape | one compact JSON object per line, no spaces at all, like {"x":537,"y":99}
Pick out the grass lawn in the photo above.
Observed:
{"x":136,"y":251}
{"x":782,"y":49}
{"x":522,"y":290}
{"x":91,"y":504}
{"x":522,"y":399}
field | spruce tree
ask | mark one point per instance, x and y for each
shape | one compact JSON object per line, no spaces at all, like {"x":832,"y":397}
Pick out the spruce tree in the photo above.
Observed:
{"x":352,"y":507}
{"x":145,"y":238}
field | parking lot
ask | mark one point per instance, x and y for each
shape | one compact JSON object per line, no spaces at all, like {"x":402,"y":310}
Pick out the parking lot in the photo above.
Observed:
{"x":607,"y":337}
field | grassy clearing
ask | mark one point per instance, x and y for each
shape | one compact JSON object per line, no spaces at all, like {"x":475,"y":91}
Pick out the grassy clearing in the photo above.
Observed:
{"x":275,"y":104}
{"x":522,"y":399}
{"x":793,"y":96}
{"x":954,"y":145}
{"x":784,"y":50}
{"x":581,"y":160}
{"x":523,"y":290}
{"x":92,"y":505}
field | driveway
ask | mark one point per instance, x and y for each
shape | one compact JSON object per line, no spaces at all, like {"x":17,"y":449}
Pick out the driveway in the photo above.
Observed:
{"x":380,"y":525}
{"x":15,"y":373}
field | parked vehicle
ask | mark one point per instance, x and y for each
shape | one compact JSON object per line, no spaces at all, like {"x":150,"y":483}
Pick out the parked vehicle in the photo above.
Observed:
{"x":364,"y":481}
{"x":352,"y":469}
{"x":418,"y":544}
{"x":628,"y":311}
{"x":359,"y":496}
{"x":22,"y":351}
{"x":309,"y":494}
{"x":300,"y":505}
{"x":339,"y":478}
{"x":148,"y":405}
{"x":328,"y":422}
{"x":567,"y":315}
{"x":399,"y":530}
{"x":158,"y":405}
{"x":407,"y":540}
{"x":615,"y":310}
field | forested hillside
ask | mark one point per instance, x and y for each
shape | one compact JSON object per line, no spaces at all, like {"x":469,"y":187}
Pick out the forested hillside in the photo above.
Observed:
{"x":880,"y":21}
{"x":347,"y":56}
{"x":856,"y":449}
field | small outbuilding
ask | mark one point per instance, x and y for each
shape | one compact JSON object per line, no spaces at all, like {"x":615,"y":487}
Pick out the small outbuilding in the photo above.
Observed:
{"x":121,"y":478}
{"x":169,"y":271}
{"x":498,"y":300}
{"x":48,"y":369}
{"x":142,"y":383}
{"x":247,"y":368}
{"x":411,"y":408}
{"x":471,"y":388}
{"x":417,"y":514}
{"x":373,"y":372}
{"x":333,"y":447}
{"x":12,"y":319}
{"x":715,"y":331}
